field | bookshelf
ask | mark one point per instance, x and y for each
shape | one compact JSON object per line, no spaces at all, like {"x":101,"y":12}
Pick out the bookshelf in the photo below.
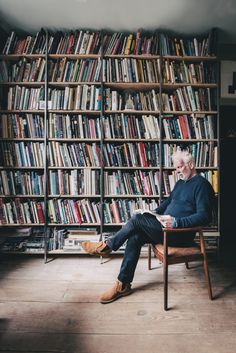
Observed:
{"x":89,"y":121}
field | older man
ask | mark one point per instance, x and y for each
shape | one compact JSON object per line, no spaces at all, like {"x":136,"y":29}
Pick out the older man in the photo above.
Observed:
{"x":189,"y":205}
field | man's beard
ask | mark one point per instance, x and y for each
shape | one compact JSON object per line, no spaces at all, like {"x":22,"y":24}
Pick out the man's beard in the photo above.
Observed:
{"x":183,"y":177}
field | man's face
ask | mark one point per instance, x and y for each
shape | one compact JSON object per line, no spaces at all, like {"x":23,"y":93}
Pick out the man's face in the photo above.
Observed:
{"x":184,"y":170}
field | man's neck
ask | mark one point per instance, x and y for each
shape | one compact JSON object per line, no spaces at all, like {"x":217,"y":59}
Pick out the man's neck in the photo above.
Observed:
{"x":192,"y":175}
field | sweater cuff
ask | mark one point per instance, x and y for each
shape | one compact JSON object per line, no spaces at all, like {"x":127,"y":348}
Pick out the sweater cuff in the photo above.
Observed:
{"x":175,"y":224}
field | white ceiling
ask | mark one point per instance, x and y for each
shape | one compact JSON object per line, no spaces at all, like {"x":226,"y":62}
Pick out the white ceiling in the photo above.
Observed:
{"x":184,"y":16}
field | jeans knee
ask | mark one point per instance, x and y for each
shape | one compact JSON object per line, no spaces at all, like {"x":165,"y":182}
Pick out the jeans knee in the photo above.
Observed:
{"x":136,"y":240}
{"x":135,"y":219}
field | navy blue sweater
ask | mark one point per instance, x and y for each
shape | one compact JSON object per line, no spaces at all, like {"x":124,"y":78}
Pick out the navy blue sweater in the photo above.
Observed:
{"x":190,"y":202}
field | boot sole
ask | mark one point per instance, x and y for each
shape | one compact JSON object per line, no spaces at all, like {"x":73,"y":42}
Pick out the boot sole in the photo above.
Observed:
{"x":115,"y":298}
{"x":104,"y":254}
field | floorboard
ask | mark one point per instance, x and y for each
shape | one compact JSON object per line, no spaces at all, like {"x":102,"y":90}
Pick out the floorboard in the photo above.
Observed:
{"x":54,"y":307}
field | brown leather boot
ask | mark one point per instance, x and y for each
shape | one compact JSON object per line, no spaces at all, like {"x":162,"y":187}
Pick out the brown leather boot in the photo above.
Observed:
{"x":115,"y":292}
{"x":96,"y":248}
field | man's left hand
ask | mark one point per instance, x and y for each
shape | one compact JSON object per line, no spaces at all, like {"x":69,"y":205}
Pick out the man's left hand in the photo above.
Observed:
{"x":167,"y":221}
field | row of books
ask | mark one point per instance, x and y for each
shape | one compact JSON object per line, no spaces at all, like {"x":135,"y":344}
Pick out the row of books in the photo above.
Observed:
{"x":193,"y":126}
{"x":67,"y":211}
{"x":74,"y":245}
{"x":56,"y":239}
{"x":16,"y":44}
{"x":35,"y":243}
{"x":23,"y":70}
{"x":22,"y":154}
{"x":129,"y":100}
{"x":189,"y":99}
{"x":74,"y":154}
{"x":73,"y":126}
{"x":21,"y":212}
{"x":83,"y":97}
{"x":131,"y":70}
{"x":61,"y":70}
{"x":23,"y":239}
{"x":131,"y":126}
{"x":212,"y":177}
{"x":182,"y":99}
{"x":189,"y":126}
{"x":70,"y":239}
{"x":155,"y":43}
{"x":171,"y":177}
{"x":114,"y":70}
{"x":21,"y":183}
{"x":185,"y":72}
{"x":90,"y":42}
{"x":148,"y":70}
{"x":77,"y":42}
{"x":130,"y":43}
{"x":85,"y":42}
{"x":204,"y":153}
{"x":87,"y":182}
{"x":80,"y":70}
{"x":120,"y":211}
{"x":137,"y":154}
{"x":85,"y":211}
{"x":34,"y":239}
{"x":74,"y":182}
{"x":21,"y":126}
{"x":202,"y":46}
{"x":23,"y":98}
{"x":132,"y":183}
{"x":14,"y":239}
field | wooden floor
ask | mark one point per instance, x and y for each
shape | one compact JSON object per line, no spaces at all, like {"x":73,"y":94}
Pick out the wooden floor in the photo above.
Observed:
{"x":55,"y":308}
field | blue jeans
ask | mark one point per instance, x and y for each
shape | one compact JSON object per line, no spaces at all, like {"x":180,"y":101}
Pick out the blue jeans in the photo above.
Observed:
{"x":139,"y":230}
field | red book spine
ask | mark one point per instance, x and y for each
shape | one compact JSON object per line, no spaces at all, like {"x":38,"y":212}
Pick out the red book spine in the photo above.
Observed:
{"x":40,"y":212}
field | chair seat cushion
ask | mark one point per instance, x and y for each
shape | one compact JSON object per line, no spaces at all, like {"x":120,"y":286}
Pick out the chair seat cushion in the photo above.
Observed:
{"x":178,"y":252}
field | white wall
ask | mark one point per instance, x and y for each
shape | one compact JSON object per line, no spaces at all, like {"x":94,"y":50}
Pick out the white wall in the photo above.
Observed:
{"x":187,"y":16}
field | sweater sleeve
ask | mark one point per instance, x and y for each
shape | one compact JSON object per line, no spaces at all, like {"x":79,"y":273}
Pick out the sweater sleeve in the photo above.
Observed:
{"x":204,"y":199}
{"x":161,"y":209}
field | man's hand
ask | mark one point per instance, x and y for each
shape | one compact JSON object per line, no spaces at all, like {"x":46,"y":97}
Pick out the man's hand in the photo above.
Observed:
{"x":167,"y":221}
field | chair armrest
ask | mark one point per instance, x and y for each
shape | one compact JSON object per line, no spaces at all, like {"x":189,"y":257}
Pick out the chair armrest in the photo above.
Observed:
{"x":175,"y":230}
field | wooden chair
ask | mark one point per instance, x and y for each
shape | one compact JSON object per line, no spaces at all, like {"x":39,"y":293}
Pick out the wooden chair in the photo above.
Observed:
{"x":172,"y":255}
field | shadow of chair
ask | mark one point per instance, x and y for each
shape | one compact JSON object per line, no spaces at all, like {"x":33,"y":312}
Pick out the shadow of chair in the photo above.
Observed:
{"x":175,"y":255}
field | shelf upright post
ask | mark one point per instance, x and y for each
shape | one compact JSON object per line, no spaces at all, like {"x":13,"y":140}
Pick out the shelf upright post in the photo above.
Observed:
{"x":45,"y":161}
{"x":102,"y":141}
{"x":160,"y":124}
{"x":218,"y":137}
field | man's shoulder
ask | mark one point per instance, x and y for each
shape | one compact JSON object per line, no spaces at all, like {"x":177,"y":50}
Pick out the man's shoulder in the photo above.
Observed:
{"x":203,"y":182}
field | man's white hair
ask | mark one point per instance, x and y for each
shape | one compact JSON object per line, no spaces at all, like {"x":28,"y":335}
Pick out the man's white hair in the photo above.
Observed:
{"x":183,"y":155}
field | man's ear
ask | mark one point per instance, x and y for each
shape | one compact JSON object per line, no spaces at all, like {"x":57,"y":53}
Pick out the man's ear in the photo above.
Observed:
{"x":191,"y":165}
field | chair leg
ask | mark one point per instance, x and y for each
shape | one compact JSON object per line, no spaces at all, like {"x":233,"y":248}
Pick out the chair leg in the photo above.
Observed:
{"x":208,"y":280}
{"x":187,"y":265}
{"x":206,"y":270}
{"x":165,"y":273}
{"x":149,"y":257}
